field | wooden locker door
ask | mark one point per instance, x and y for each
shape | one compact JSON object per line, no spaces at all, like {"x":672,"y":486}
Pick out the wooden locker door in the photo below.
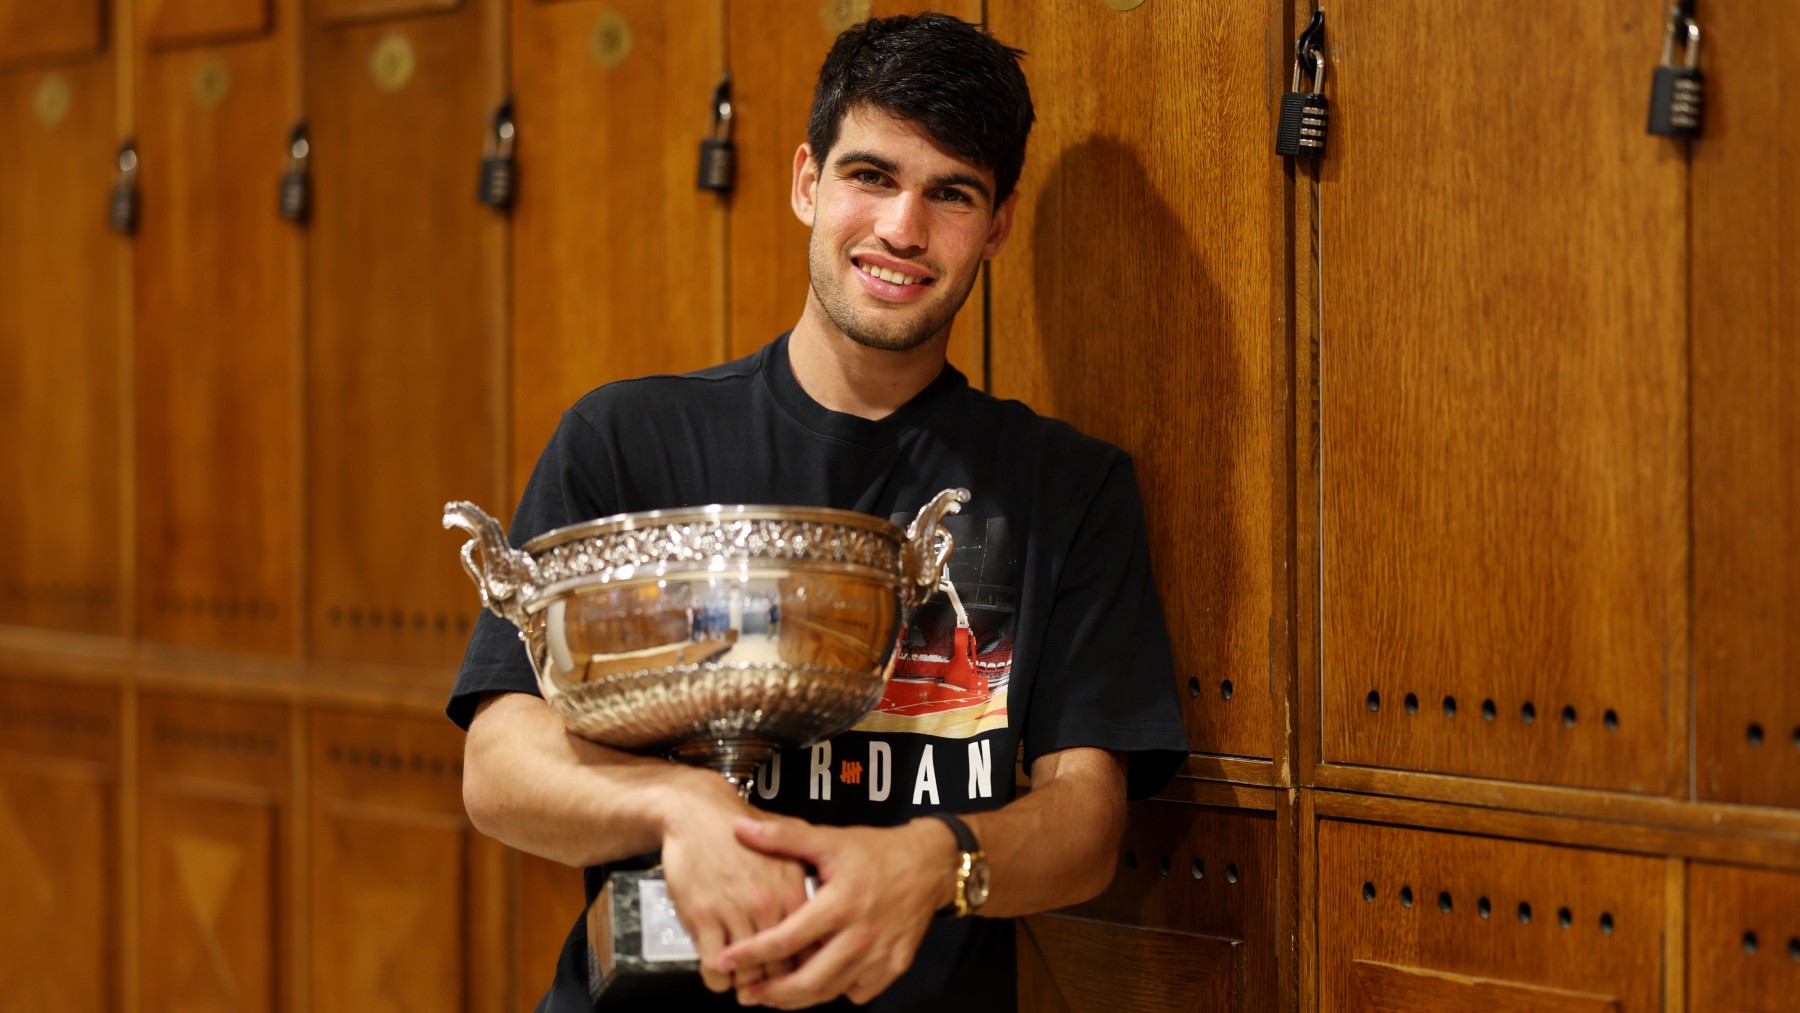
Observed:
{"x":548,"y":902}
{"x":618,"y":259}
{"x":1417,"y":920}
{"x":1188,"y":923}
{"x":1503,"y":396}
{"x":401,"y":891}
{"x":1743,"y":939}
{"x":216,"y":284}
{"x":215,"y":820}
{"x":1746,"y":299}
{"x":59,"y":847}
{"x":405,"y":320}
{"x":1134,"y":301}
{"x":61,"y":341}
{"x":776,"y":50}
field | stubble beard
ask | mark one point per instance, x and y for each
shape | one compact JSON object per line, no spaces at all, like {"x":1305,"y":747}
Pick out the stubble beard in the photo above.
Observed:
{"x":899,"y":335}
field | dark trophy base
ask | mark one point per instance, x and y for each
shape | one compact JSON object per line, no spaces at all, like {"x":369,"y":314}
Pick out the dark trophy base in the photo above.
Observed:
{"x":637,"y":949}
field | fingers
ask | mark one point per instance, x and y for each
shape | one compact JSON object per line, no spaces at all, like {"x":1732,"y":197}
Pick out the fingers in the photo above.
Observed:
{"x":810,"y":924}
{"x":708,"y":940}
{"x":783,"y":836}
{"x":824,"y":976}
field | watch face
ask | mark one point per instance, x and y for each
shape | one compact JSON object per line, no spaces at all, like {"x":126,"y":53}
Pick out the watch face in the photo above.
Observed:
{"x":977,"y":890}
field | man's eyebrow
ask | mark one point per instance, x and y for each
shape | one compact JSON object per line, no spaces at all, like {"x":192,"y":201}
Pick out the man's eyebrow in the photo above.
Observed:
{"x":874,"y":161}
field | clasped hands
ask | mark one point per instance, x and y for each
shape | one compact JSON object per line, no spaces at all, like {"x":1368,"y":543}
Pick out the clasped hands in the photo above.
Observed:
{"x":739,"y":885}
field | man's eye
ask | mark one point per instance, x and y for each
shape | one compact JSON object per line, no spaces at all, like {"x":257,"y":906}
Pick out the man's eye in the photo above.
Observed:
{"x":869,"y":177}
{"x":954,"y":197}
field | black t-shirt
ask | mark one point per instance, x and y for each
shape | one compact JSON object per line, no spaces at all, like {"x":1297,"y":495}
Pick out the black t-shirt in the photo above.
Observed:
{"x":1052,"y":637}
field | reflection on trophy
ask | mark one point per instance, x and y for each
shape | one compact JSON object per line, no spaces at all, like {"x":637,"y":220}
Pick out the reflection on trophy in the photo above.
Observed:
{"x":711,"y":635}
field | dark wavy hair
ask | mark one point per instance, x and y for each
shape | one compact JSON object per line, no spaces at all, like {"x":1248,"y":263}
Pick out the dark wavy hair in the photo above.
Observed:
{"x":953,"y":78}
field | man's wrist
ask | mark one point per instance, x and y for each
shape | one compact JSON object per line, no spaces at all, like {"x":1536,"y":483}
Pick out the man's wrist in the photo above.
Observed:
{"x":940,"y":855}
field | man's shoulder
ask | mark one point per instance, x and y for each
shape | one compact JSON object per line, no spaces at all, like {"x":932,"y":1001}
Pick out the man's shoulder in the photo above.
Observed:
{"x":1057,"y":439}
{"x":663,"y":391}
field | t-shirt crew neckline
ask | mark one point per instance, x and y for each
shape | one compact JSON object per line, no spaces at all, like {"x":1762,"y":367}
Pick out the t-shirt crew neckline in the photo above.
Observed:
{"x":874,"y":434}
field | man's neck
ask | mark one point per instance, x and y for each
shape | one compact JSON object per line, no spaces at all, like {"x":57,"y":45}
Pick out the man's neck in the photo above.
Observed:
{"x":854,"y":379}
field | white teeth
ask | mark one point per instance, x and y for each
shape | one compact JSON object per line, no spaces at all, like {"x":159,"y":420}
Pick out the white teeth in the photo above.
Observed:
{"x":891,"y":277}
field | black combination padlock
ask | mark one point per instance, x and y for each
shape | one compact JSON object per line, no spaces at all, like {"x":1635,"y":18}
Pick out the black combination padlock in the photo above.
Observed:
{"x":718,"y":158}
{"x":122,"y":209}
{"x":1306,"y":116}
{"x":1678,"y":92}
{"x":499,"y":175}
{"x":296,"y":179}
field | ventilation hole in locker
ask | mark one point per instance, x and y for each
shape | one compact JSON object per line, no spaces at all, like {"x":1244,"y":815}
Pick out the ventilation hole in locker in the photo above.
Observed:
{"x":1606,"y":923}
{"x":1444,"y":903}
{"x":1750,"y":942}
{"x":1449,"y":706}
{"x":418,"y":622}
{"x":1369,"y":892}
{"x":1193,"y":684}
{"x":397,"y":619}
{"x":1611,"y":720}
{"x":1488,"y":711}
{"x":441,"y":623}
{"x":462,"y":624}
{"x":1528,"y":713}
{"x":1794,"y":949}
{"x":1754,"y":734}
{"x":437,"y":767}
{"x":1162,"y":865}
{"x":1412,"y":704}
{"x":355,"y":617}
{"x":1231,"y":874}
{"x":334,"y":615}
{"x":418,"y":764}
{"x":1374,"y":700}
{"x":1198,"y":869}
{"x":355,"y":757}
{"x":1568,"y":717}
{"x":1484,"y":908}
{"x":375,"y":618}
{"x":1524,"y":913}
{"x":1797,"y":736}
{"x":1406,"y":896}
{"x":253,"y":609}
{"x":1565,"y":918}
{"x":1225,"y":689}
{"x":1130,"y":859}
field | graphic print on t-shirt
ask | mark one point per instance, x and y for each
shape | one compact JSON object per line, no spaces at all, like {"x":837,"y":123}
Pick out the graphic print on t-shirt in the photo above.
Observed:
{"x":955,"y":659}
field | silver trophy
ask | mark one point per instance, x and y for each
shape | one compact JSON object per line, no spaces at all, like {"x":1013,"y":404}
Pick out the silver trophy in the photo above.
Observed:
{"x":712,"y":635}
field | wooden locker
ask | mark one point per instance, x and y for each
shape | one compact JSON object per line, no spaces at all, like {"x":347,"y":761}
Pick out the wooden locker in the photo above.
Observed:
{"x":1743,"y":939}
{"x":1416,"y":920}
{"x":1134,"y":301}
{"x":61,"y":340}
{"x":548,"y":902}
{"x":405,"y":325}
{"x":1746,"y":299}
{"x":1188,"y":923}
{"x":397,"y":879}
{"x":1503,"y":396}
{"x":215,"y":819}
{"x":218,"y":494}
{"x":618,"y":259}
{"x":776,"y":50}
{"x":59,"y":846}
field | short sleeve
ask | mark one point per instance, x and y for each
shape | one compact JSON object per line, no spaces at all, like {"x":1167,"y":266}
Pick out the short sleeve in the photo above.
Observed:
{"x":571,"y":483}
{"x":1107,"y":675}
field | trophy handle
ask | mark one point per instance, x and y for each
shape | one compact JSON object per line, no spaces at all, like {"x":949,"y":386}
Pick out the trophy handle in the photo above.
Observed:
{"x":928,"y":546}
{"x":506,"y":577}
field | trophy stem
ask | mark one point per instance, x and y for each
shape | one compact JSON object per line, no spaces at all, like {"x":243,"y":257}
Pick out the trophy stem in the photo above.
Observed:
{"x":736,"y":760}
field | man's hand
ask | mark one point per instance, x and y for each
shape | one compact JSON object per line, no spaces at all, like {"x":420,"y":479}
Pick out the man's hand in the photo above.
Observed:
{"x":724,"y":891}
{"x":878,"y":889}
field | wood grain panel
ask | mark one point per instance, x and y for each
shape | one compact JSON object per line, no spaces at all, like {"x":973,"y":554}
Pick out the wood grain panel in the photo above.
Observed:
{"x":405,"y":327}
{"x":1743,"y":939}
{"x":776,"y":50}
{"x":60,"y":348}
{"x":216,"y":366}
{"x":1092,"y":967}
{"x":343,"y":11}
{"x":215,"y":921}
{"x":548,"y":902}
{"x":1504,"y":397}
{"x":169,"y":23}
{"x":33,"y":30}
{"x":59,"y":847}
{"x":1201,"y":873}
{"x":1472,"y":920}
{"x":1134,"y":299}
{"x":392,"y":881}
{"x":1746,"y":300}
{"x":618,"y":261}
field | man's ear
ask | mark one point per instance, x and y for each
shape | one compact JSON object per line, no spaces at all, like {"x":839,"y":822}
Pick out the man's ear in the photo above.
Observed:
{"x":1002,"y":226}
{"x":806,"y":185}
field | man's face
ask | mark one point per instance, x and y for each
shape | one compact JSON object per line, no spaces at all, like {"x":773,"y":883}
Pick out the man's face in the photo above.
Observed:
{"x":900,"y":226}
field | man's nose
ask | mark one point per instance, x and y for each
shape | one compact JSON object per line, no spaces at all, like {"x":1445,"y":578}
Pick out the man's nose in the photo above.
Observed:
{"x":902,"y":222}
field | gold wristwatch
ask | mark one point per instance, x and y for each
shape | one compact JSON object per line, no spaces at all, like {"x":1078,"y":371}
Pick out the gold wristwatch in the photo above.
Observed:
{"x":971,"y":868}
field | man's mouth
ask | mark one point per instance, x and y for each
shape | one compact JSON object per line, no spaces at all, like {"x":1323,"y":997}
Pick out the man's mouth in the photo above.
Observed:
{"x":890,"y":276}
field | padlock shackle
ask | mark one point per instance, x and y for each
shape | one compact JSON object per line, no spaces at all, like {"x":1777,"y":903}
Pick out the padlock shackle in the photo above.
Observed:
{"x":1311,"y":46}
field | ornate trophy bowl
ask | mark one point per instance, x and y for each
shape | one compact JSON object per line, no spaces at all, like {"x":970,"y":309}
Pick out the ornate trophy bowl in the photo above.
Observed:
{"x":713,"y":635}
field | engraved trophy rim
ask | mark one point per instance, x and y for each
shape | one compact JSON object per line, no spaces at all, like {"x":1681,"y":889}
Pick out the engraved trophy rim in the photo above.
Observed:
{"x":713,"y":512}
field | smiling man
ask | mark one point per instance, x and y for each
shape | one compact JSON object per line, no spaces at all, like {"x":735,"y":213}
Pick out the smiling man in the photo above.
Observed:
{"x":1047,"y":639}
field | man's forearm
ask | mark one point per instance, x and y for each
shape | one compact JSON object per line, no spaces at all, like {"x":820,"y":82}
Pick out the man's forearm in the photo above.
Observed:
{"x":1056,"y":844}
